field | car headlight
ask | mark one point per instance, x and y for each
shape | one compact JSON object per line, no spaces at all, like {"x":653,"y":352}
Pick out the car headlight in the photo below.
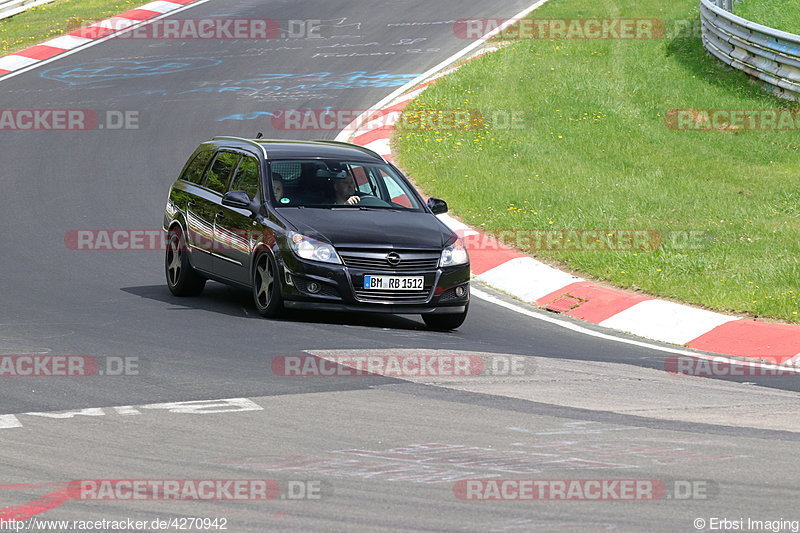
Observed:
{"x":313,"y":250}
{"x":455,"y":254}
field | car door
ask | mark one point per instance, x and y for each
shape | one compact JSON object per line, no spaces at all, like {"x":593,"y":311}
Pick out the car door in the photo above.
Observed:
{"x":184,"y":191}
{"x":232,"y":227}
{"x":204,"y":206}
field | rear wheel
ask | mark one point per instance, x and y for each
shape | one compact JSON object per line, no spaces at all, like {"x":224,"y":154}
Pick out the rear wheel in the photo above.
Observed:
{"x":182,"y":279}
{"x":445,"y":322}
{"x":266,"y":287}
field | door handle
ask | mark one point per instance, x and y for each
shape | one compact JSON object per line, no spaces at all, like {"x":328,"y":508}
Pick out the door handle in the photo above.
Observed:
{"x":190,"y":204}
{"x":220,"y":215}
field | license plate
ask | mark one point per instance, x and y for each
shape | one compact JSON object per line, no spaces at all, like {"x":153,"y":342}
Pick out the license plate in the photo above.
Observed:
{"x":395,"y":283}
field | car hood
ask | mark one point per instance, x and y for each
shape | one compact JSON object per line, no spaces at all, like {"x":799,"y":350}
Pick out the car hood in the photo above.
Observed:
{"x":356,"y":228}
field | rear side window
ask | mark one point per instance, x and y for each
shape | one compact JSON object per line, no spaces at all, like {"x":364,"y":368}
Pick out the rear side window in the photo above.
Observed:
{"x":288,"y":171}
{"x":247,"y":177}
{"x":220,"y":173}
{"x":194,"y":172}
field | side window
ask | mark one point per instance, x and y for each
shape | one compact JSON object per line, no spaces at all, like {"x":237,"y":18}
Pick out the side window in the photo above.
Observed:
{"x":398,"y":194}
{"x":247,"y":177}
{"x":194,"y":172}
{"x":392,"y":186}
{"x":362,"y":182}
{"x":220,"y":173}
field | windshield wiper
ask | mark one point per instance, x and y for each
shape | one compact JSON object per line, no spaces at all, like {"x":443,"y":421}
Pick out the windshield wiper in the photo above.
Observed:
{"x":376,"y":208}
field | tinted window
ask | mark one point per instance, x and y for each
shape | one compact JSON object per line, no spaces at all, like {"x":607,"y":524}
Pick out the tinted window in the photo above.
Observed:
{"x":220,"y":173}
{"x":247,"y":177}
{"x":289,"y":171}
{"x":194,"y":172}
{"x":342,"y":184}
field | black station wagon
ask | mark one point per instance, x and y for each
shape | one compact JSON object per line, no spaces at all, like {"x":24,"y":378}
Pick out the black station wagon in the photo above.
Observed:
{"x":313,"y":224}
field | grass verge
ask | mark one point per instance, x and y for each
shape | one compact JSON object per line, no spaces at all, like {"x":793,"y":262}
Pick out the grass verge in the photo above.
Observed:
{"x":779,"y":14}
{"x":58,"y":18}
{"x":596,"y":153}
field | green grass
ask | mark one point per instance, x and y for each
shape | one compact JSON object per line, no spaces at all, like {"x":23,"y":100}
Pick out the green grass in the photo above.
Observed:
{"x":58,"y":18}
{"x":597,"y":154}
{"x":779,"y":14}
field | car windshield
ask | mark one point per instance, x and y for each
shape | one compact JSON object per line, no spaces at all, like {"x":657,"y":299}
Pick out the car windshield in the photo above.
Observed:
{"x":332,"y":184}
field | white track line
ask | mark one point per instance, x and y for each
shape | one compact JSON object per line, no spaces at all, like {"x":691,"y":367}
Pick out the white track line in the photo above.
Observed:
{"x":586,"y":331}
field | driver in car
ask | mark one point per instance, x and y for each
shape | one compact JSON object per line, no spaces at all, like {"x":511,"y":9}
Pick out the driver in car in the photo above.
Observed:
{"x":344,"y":191}
{"x":277,"y":186}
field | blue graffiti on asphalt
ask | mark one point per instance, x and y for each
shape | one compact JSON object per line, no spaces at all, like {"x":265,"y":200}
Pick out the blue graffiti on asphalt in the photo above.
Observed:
{"x":287,"y":83}
{"x":253,"y":115}
{"x":106,"y":70}
{"x":313,"y":81}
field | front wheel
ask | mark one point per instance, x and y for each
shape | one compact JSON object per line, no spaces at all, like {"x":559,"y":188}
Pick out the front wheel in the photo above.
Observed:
{"x":266,"y":287}
{"x":445,"y":322}
{"x":182,"y":279}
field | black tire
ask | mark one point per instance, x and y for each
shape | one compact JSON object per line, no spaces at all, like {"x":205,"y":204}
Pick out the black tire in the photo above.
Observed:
{"x":266,"y":287}
{"x":182,"y":279}
{"x":445,"y":322}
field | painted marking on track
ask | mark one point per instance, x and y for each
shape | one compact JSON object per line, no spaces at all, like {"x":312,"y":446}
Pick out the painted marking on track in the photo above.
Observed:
{"x":601,"y":442}
{"x":41,"y":504}
{"x":114,"y":69}
{"x":200,"y":407}
{"x":428,"y":463}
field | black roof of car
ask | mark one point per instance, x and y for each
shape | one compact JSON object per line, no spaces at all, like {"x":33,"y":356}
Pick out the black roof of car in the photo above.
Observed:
{"x":290,"y":149}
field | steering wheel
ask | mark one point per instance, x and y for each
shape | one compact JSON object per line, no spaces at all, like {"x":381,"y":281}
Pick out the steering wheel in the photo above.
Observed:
{"x":372,"y":201}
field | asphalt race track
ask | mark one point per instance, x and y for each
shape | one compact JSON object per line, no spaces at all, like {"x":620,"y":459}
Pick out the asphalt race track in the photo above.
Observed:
{"x":385,"y":452}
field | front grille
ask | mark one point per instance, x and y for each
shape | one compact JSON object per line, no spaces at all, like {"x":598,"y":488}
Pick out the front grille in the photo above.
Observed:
{"x":374,"y":295}
{"x":376,"y":261}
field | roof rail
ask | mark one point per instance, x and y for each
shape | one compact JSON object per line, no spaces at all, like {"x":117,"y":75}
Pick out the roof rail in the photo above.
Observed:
{"x":242,"y":139}
{"x":351,"y":145}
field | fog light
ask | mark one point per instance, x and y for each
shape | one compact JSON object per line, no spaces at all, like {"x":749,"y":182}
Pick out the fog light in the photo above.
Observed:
{"x":461,"y":291}
{"x":313,"y":287}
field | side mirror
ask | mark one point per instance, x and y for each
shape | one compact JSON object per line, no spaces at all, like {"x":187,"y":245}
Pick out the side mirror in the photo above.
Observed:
{"x":437,"y":205}
{"x":238,"y":200}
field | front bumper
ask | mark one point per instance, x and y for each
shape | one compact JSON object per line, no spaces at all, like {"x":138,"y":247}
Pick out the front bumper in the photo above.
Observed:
{"x":339,"y":289}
